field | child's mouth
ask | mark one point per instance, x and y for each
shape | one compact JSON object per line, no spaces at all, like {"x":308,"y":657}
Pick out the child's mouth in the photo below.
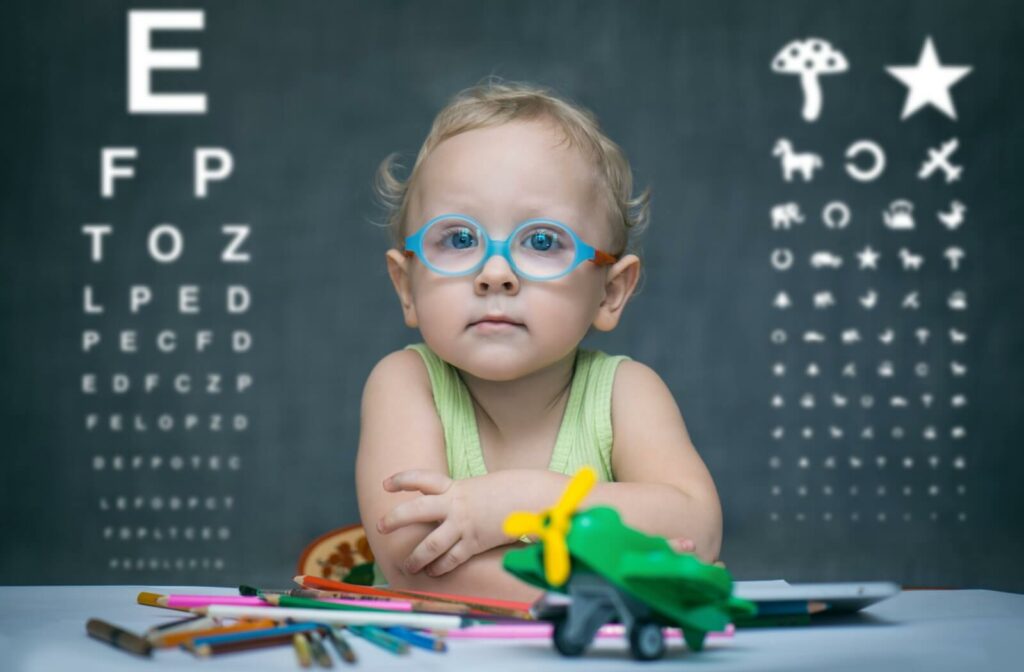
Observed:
{"x":495,"y":326}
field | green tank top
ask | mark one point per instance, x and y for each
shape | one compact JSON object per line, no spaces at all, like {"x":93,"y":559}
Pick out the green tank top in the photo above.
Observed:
{"x":584,"y":437}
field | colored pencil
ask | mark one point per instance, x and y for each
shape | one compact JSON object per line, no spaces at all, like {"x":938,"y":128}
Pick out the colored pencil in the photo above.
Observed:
{"x":543,"y":631}
{"x":417,"y":639}
{"x":208,"y":650}
{"x":338,"y":640}
{"x":195,"y":622}
{"x":118,"y":637}
{"x":789,"y":608}
{"x":150,"y":600}
{"x":508,"y":608}
{"x":251,"y":634}
{"x":380,"y":638}
{"x":302,"y":649}
{"x":319,"y":651}
{"x":335,"y":617}
{"x":309,"y":603}
{"x":176,"y":638}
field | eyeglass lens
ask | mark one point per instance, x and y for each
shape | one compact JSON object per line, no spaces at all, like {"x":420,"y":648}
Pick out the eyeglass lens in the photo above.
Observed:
{"x":541,"y":249}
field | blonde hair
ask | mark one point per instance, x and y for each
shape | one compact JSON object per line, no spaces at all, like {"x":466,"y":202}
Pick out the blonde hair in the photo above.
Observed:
{"x":494,"y":102}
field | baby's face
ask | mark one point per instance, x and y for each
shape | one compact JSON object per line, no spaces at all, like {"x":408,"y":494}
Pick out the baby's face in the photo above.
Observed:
{"x":501,"y":176}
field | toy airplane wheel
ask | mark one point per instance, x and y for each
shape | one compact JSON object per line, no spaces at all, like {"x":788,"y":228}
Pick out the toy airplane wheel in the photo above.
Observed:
{"x":566,"y":645}
{"x":646,"y":640}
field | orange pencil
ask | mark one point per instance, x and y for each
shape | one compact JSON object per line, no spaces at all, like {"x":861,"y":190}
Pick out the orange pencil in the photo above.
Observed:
{"x":176,"y":638}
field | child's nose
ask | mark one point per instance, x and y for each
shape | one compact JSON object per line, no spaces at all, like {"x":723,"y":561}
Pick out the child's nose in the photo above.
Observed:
{"x":496,"y":273}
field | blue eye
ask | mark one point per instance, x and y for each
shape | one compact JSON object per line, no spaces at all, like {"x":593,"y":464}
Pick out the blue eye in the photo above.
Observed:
{"x":541,"y":240}
{"x":461,"y":239}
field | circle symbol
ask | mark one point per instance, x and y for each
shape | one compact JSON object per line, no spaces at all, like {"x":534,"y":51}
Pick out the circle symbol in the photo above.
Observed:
{"x":778,"y":337}
{"x":782,"y":259}
{"x":836,"y":215}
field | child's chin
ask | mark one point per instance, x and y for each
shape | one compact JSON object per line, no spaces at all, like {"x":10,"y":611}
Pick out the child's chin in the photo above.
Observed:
{"x":496,"y":363}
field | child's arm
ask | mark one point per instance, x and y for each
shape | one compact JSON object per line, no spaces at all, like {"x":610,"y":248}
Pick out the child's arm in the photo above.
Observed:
{"x":662,"y":486}
{"x":400,"y":430}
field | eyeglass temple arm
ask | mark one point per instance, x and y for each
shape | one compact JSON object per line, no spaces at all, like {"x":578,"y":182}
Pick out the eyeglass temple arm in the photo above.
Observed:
{"x":603,"y":258}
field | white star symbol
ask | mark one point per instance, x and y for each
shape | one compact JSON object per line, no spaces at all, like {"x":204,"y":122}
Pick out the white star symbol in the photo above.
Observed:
{"x":929,"y":82}
{"x":868,"y":258}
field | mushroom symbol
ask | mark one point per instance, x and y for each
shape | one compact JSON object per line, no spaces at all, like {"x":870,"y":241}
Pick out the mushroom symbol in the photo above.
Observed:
{"x":552,"y":525}
{"x":809,"y":58}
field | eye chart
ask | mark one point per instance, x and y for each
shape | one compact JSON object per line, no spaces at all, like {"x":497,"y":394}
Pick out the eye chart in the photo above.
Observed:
{"x":165,"y":341}
{"x":871,"y":339}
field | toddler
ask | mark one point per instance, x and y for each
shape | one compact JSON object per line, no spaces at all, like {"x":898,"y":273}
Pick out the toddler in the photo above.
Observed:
{"x":510,"y":241}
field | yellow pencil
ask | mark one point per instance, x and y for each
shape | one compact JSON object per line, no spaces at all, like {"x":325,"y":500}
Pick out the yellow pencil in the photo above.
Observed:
{"x":302,"y":650}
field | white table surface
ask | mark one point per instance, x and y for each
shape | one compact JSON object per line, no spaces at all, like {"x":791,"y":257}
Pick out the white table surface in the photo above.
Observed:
{"x":42,"y":628}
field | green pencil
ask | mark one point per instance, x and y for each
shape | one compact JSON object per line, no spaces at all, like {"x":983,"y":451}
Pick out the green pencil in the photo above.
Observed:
{"x":309,"y":603}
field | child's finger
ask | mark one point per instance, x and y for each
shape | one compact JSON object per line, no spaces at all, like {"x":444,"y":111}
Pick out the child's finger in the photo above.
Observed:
{"x":455,"y":556}
{"x":682,"y":545}
{"x":426,"y":481}
{"x":433,"y":546}
{"x":425,"y":509}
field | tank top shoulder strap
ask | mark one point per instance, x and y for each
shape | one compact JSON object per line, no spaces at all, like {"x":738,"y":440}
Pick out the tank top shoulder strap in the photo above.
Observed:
{"x":585,"y":437}
{"x":455,"y":409}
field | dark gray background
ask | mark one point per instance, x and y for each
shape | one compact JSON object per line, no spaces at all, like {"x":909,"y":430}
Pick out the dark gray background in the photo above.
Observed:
{"x":310,"y":96}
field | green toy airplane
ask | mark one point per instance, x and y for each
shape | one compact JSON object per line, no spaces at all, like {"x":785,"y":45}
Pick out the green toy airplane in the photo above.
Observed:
{"x":614,"y":573}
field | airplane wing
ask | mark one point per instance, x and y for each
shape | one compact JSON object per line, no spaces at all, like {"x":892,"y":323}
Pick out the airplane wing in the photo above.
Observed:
{"x":681,"y":586}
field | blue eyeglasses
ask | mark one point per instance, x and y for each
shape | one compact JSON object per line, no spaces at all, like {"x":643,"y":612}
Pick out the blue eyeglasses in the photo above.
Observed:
{"x":538,"y":249}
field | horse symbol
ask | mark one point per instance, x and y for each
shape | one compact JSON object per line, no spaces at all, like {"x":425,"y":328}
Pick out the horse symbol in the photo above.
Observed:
{"x":803,"y":163}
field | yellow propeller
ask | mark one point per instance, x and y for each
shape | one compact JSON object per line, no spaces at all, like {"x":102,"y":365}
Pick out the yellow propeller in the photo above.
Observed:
{"x":553,"y":524}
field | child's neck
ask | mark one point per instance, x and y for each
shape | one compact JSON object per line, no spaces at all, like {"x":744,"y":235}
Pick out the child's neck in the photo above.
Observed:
{"x":519,"y":409}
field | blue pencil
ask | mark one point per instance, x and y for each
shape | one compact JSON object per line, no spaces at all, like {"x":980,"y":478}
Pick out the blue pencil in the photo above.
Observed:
{"x":417,"y":639}
{"x":789,"y":608}
{"x":231,"y":637}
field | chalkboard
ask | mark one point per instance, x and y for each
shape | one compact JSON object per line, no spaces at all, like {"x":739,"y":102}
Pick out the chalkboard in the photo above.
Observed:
{"x":245,"y":350}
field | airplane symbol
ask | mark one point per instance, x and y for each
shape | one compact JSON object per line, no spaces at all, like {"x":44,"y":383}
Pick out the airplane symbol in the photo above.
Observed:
{"x":910,"y":301}
{"x":938,"y":159}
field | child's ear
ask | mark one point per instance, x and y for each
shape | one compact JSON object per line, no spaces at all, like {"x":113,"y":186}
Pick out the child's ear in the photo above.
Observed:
{"x":398,"y":269}
{"x":619,"y":286}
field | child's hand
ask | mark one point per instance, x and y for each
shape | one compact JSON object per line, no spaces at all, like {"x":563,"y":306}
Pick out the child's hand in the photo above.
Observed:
{"x":456,"y":507}
{"x":682,"y":545}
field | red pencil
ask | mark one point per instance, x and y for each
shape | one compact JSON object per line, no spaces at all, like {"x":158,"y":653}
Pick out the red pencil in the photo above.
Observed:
{"x":486,"y":605}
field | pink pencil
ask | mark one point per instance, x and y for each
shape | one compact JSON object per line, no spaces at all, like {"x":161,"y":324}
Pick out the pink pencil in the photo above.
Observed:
{"x":543,"y":631}
{"x":193,"y":601}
